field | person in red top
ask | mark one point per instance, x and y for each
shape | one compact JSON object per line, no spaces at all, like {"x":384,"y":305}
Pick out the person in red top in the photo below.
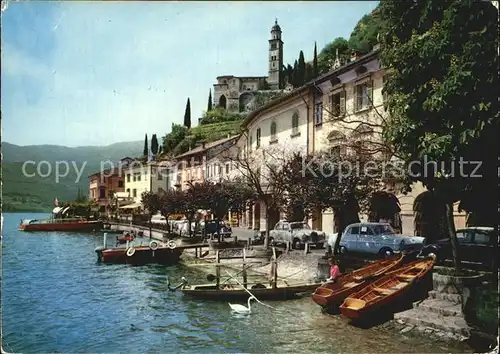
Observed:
{"x":334,"y":270}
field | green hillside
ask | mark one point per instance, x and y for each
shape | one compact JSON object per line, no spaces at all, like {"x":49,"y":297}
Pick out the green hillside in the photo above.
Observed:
{"x":24,"y":193}
{"x":217,"y":131}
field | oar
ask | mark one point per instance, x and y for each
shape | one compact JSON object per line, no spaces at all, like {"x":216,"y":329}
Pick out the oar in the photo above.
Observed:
{"x":212,"y":277}
{"x":250,"y":292}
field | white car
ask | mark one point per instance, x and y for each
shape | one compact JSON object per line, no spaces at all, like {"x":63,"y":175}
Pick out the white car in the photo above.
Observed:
{"x":158,"y":219}
{"x":332,"y":238}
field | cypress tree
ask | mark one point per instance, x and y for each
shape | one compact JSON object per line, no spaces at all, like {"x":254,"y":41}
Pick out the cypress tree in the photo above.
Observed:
{"x":295,"y":74}
{"x":145,"y":151}
{"x":209,"y":107}
{"x":302,"y":69}
{"x":187,"y":115}
{"x":154,"y":145}
{"x":315,"y":61}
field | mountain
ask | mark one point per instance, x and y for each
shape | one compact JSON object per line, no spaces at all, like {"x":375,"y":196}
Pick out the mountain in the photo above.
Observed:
{"x":25,"y":192}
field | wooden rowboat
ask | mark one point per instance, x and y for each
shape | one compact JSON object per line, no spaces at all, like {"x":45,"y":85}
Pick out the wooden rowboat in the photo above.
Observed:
{"x":330,"y":295}
{"x":386,"y":289}
{"x":264,"y":292}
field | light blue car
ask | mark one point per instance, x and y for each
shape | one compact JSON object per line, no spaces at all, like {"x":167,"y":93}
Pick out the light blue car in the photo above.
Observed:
{"x":377,"y":238}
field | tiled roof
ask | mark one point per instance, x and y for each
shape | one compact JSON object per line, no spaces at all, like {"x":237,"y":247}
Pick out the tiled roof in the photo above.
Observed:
{"x":206,"y":147}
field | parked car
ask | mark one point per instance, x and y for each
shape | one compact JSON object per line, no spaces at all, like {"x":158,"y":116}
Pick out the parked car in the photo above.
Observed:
{"x":211,"y":228}
{"x":377,"y":238}
{"x":476,"y":244}
{"x":158,"y":219}
{"x":298,"y":233}
{"x":332,"y":238}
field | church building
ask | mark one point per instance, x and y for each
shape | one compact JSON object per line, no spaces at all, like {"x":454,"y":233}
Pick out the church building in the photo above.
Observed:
{"x":237,"y":93}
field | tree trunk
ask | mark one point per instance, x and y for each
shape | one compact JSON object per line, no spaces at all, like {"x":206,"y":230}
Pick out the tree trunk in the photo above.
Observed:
{"x":450,"y":222}
{"x":217,"y":223}
{"x":268,"y":229}
{"x":150,"y":225}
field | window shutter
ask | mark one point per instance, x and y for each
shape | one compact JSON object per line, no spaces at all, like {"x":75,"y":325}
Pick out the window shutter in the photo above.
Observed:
{"x":369,"y":90}
{"x":342,"y":103}
{"x":356,"y":98}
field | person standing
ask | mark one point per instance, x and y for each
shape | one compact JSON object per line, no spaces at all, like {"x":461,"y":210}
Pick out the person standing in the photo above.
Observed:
{"x":334,"y":270}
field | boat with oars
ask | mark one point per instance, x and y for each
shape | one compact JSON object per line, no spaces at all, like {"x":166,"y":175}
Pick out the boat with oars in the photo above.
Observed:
{"x":330,"y":295}
{"x":386,"y":290}
{"x":233,"y":289}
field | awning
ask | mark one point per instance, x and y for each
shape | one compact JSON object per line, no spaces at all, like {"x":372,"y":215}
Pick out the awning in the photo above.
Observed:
{"x":56,"y":210}
{"x":121,"y":195}
{"x":131,"y":206}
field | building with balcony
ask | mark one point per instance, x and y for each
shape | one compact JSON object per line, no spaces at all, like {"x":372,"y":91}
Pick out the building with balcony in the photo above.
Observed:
{"x":191,"y":167}
{"x":103,"y":185}
{"x":140,"y":177}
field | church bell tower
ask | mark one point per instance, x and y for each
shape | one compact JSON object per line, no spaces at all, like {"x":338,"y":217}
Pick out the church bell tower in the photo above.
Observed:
{"x":275,"y":78}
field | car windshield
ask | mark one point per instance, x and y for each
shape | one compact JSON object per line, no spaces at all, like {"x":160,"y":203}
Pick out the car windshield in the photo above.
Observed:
{"x":299,"y":225}
{"x":383,"y":229}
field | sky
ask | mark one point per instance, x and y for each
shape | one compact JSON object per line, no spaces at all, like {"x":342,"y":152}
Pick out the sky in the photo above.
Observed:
{"x":97,"y":73}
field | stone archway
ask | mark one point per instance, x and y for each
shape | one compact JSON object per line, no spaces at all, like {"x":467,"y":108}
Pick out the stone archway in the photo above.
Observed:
{"x":244,"y":99}
{"x":223,"y":102}
{"x":429,"y":217}
{"x":385,"y":207}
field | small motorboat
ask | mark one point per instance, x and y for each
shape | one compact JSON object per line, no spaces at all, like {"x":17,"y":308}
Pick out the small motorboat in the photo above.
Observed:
{"x":127,"y":236}
{"x":330,"y":295}
{"x":154,"y":252}
{"x":387,"y":289}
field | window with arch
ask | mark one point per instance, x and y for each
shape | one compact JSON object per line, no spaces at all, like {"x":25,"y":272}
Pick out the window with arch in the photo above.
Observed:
{"x":337,"y":142}
{"x":273,"y":132}
{"x":295,"y":123}
{"x":257,"y":138}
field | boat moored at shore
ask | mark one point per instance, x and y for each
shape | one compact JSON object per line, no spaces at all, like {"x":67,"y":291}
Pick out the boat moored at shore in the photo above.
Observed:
{"x":131,"y":253}
{"x":386,"y":290}
{"x":66,"y":224}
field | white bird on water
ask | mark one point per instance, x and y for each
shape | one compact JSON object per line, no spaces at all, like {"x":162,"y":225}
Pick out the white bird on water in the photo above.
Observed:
{"x":242,"y":308}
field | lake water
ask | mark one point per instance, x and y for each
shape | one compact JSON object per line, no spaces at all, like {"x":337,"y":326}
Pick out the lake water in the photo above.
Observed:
{"x":57,"y":298}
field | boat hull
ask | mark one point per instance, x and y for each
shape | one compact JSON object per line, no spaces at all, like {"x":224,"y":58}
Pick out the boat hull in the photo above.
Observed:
{"x":386,"y":290}
{"x":210,"y":292}
{"x":141,"y":256}
{"x":62,"y":226}
{"x":330,"y":295}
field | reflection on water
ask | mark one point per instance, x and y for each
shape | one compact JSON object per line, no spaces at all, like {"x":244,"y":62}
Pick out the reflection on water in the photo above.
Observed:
{"x":57,"y":298}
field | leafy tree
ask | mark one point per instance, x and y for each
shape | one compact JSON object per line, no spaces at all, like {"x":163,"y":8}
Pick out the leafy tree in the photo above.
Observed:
{"x":315,"y":62}
{"x":218,"y":115}
{"x":187,"y":115}
{"x":172,"y":139}
{"x":146,"y":149}
{"x":209,"y":106}
{"x":262,"y":173}
{"x":364,"y":35}
{"x":344,"y":183}
{"x":442,"y":99}
{"x":172,"y":202}
{"x":328,"y":54}
{"x":154,"y":145}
